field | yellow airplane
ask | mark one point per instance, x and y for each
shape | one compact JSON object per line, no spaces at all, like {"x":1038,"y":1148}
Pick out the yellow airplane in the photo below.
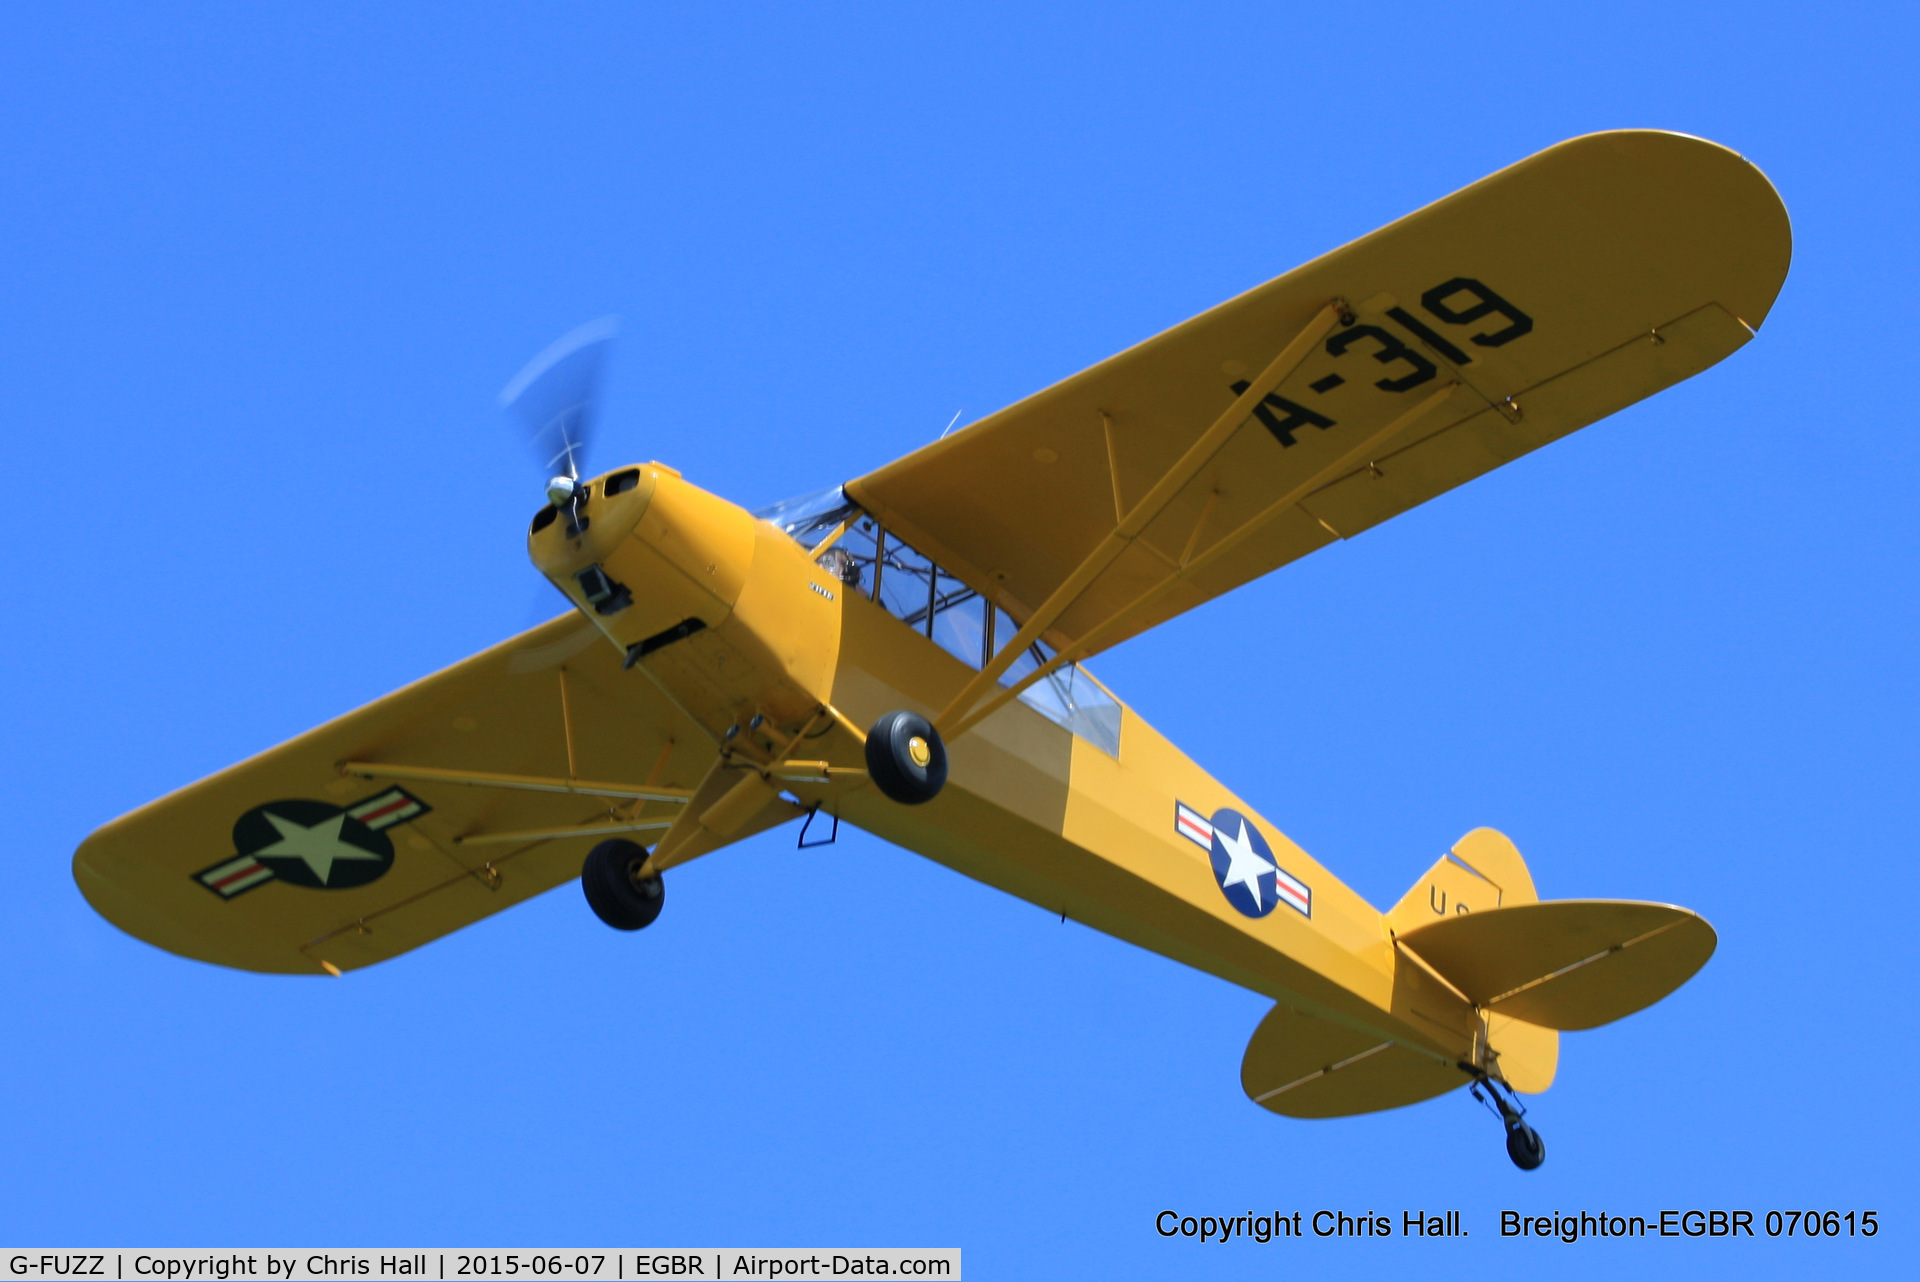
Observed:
{"x":904,"y":652}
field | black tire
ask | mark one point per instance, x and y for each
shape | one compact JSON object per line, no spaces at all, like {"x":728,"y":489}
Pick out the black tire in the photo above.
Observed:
{"x":1525,"y":1147}
{"x":893,"y":758}
{"x":616,"y":893}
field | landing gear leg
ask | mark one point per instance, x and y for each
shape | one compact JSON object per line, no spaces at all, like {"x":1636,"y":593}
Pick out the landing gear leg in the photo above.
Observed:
{"x":1524,"y":1144}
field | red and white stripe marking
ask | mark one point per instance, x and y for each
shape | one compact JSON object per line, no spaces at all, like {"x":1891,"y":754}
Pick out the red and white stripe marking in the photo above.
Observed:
{"x":1293,"y":892}
{"x":1192,"y":825}
{"x":229,"y":879}
{"x":393,"y":806}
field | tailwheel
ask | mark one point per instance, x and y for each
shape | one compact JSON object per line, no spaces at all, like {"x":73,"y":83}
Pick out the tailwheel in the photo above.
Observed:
{"x":1524,"y":1144}
{"x":906,"y":759}
{"x":616,"y":891}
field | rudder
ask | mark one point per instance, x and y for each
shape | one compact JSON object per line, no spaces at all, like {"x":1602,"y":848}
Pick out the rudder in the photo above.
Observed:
{"x":1483,"y":870}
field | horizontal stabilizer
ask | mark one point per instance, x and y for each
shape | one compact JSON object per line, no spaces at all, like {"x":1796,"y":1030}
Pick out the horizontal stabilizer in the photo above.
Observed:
{"x":1302,"y":1066}
{"x":1567,"y":964}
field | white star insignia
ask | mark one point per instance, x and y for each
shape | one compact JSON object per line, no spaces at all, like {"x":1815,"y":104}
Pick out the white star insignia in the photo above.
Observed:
{"x":1245,"y":866}
{"x":318,"y":846}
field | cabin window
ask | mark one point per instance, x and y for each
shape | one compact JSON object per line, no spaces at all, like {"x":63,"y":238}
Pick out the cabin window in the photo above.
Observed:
{"x":960,"y":621}
{"x":905,"y":584}
{"x":860,"y":549}
{"x":1068,"y":695}
{"x":876,"y":563}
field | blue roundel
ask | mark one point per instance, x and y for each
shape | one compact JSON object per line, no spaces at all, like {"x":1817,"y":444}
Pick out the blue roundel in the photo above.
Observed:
{"x":1243,"y":864}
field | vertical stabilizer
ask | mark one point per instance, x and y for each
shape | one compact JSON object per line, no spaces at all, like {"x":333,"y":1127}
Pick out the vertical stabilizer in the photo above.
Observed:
{"x":1483,"y":870}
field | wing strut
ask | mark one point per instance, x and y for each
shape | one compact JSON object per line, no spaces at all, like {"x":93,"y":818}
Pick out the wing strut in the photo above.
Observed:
{"x":962,"y":719}
{"x":1198,"y":455}
{"x":521,"y":783}
{"x":565,"y":830}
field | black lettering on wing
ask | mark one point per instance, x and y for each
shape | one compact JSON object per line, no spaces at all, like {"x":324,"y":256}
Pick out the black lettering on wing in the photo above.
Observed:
{"x":1281,"y":416}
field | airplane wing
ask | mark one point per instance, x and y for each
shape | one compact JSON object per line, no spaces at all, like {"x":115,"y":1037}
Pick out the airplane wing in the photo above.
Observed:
{"x":1348,"y":390}
{"x":457,"y":796}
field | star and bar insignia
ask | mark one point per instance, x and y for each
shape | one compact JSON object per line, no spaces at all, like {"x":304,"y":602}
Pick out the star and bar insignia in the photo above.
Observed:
{"x":312,"y":843}
{"x":1243,"y":862}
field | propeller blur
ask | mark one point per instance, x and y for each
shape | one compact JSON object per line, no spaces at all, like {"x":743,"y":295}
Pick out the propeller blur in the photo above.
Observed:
{"x":556,"y":396}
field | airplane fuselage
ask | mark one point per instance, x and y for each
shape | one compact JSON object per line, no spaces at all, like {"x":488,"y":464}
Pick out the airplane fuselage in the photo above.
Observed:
{"x":734,"y":621}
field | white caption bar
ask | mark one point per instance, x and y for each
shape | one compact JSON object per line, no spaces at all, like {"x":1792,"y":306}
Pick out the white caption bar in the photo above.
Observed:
{"x":438,"y":1264}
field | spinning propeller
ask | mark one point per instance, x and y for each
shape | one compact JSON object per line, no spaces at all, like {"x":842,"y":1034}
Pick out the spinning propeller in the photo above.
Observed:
{"x":557,"y":396}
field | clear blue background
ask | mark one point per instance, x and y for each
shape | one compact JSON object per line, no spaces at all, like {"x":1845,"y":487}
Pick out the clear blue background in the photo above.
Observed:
{"x":264,"y":270}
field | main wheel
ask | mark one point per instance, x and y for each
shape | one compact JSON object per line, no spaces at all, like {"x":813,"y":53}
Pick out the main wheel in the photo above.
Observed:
{"x":616,"y":891}
{"x":906,"y":759}
{"x":1525,"y":1147}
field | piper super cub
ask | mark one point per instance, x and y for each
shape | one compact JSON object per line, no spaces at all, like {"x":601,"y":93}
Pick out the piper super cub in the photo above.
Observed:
{"x":904,"y":652}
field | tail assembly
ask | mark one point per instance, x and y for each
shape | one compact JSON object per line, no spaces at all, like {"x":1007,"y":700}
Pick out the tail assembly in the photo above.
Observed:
{"x":1476,"y":921}
{"x":1482,"y":873}
{"x":1484,"y":965}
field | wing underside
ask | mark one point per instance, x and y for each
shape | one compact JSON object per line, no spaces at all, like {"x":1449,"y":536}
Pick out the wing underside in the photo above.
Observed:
{"x":388,"y":827}
{"x":1454,"y":340}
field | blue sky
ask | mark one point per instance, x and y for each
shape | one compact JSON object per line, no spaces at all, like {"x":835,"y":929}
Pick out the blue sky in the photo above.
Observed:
{"x":265,"y":270}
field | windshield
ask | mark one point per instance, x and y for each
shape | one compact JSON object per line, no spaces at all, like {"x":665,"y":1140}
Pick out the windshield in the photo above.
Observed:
{"x":810,"y":517}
